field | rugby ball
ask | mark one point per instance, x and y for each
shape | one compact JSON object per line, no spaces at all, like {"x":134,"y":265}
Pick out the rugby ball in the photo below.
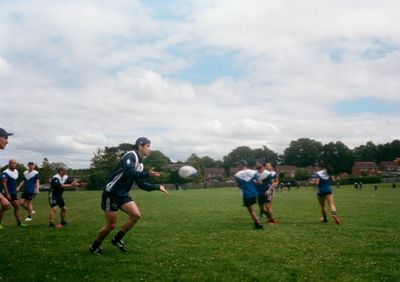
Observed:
{"x":187,"y":171}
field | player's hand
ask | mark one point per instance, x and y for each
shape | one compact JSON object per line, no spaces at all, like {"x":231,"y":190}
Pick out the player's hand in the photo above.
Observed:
{"x":163,"y":189}
{"x":154,"y":173}
{"x":75,"y":184}
{"x":5,"y":204}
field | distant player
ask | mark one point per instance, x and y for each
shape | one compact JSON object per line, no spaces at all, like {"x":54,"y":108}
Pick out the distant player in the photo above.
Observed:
{"x":262,"y":187}
{"x":273,"y":182}
{"x":5,"y":204}
{"x":246,"y":180}
{"x":9,"y":180}
{"x":323,"y":181}
{"x":59,"y":182}
{"x":116,"y":194}
{"x":31,"y":183}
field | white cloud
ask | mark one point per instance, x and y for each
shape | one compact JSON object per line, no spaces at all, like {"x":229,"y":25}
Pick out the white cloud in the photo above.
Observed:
{"x":77,"y":76}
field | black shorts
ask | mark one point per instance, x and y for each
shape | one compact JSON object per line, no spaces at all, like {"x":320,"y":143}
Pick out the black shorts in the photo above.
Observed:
{"x":13,"y":197}
{"x":110,"y":202}
{"x":247,"y":202}
{"x":56,"y":201}
{"x":28,"y":196}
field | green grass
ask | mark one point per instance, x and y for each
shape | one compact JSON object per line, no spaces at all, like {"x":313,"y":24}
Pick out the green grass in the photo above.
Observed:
{"x":206,"y":235}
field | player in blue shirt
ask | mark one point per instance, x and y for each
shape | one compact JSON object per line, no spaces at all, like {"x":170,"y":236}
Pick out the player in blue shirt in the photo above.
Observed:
{"x":9,"y":180}
{"x":322,"y":179}
{"x":5,"y":204}
{"x":246,"y":181}
{"x":116,"y":194}
{"x":31,"y":183}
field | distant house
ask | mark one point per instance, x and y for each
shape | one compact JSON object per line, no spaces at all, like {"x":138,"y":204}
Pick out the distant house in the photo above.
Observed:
{"x":368,"y":168}
{"x":174,"y":166}
{"x":389,"y":169}
{"x":288,"y":170}
{"x":232,"y":171}
{"x":211,"y":173}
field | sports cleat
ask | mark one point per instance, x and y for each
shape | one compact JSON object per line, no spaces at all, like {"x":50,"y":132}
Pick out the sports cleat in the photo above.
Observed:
{"x":258,"y":226}
{"x":336,"y":219}
{"x":323,"y":220}
{"x":51,"y":224}
{"x":28,"y":219}
{"x":272,"y":221}
{"x":119,"y":244}
{"x":59,"y":225}
{"x":96,"y":251}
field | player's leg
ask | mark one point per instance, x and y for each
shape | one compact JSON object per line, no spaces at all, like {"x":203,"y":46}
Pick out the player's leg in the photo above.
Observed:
{"x":52,"y":215}
{"x":133,"y":212}
{"x":249,"y":204}
{"x":109,"y":225}
{"x":2,"y":211}
{"x":321,"y":200}
{"x":15,"y":204}
{"x":333,"y":208}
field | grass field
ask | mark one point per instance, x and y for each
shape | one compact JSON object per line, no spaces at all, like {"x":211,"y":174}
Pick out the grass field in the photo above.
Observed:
{"x":205,"y":235}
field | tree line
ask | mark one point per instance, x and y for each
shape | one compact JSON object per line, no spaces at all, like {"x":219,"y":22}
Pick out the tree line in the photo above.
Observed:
{"x":302,"y":152}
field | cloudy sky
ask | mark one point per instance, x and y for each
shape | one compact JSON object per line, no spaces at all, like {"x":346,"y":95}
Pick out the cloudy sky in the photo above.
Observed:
{"x":196,"y":76}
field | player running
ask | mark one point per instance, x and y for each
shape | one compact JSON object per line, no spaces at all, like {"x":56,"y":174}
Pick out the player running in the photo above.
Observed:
{"x":116,"y":194}
{"x":59,"y":182}
{"x":9,"y":181}
{"x":246,"y":180}
{"x":5,"y":204}
{"x":31,"y":183}
{"x":323,"y":181}
{"x":273,"y":182}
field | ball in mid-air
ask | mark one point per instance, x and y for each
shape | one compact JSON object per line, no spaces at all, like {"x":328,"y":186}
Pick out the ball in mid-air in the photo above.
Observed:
{"x":187,"y":171}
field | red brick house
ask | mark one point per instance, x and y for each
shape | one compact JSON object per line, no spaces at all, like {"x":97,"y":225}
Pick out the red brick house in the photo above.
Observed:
{"x":289,"y":170}
{"x":389,"y":169}
{"x":366,"y":168}
{"x":213,"y":173}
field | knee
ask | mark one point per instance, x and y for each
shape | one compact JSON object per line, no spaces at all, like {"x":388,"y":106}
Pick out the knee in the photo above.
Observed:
{"x":136,"y":216}
{"x":111,"y":226}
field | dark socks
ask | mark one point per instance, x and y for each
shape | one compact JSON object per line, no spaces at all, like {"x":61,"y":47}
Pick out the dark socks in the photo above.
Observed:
{"x":119,"y":236}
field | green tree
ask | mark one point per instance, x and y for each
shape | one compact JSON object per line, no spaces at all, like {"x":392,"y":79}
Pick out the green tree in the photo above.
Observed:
{"x":366,"y":153}
{"x":338,"y":155}
{"x":266,"y":154}
{"x":302,"y":152}
{"x":156,"y":160}
{"x":240,"y":153}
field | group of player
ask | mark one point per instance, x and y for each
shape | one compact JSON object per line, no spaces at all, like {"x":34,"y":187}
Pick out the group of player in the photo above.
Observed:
{"x":258,"y":186}
{"x":31,"y":187}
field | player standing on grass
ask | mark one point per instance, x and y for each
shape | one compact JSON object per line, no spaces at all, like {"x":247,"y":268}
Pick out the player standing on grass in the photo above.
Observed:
{"x":59,"y":182}
{"x":323,"y":181}
{"x":116,"y":194}
{"x":246,"y":180}
{"x":273,"y":182}
{"x":262,"y":187}
{"x":5,"y":204}
{"x":9,"y":181}
{"x":31,"y":183}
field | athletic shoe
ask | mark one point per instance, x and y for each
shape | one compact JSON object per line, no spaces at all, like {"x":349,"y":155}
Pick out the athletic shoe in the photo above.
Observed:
{"x":1,"y":226}
{"x":51,"y":224}
{"x":336,"y":219}
{"x":59,"y":225}
{"x":28,"y":219}
{"x":258,"y":226}
{"x":323,"y":220}
{"x":272,"y":222}
{"x":96,"y":251}
{"x":119,"y":244}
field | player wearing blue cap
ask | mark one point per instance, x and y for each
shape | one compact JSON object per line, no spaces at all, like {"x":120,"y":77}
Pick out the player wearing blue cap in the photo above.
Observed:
{"x":246,"y":180}
{"x":116,"y":194}
{"x":5,"y":204}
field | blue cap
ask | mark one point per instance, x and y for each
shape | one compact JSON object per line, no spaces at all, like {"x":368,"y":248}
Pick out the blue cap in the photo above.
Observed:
{"x":4,"y":133}
{"x":142,"y":141}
